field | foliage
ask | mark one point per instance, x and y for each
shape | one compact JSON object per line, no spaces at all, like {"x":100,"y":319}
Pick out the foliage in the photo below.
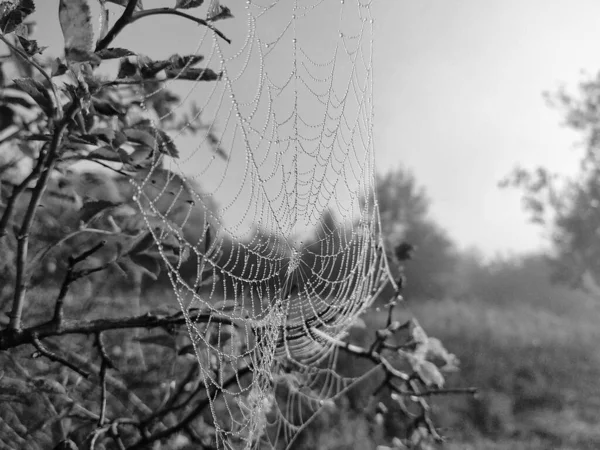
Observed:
{"x":91,"y":382}
{"x":568,"y":207}
{"x":404,"y":209}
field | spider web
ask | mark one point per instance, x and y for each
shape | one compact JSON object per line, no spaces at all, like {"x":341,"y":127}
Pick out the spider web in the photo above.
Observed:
{"x":291,"y":254}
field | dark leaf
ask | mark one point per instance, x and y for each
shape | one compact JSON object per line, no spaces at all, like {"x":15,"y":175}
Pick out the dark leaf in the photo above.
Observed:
{"x":38,"y":92}
{"x":114,"y":53}
{"x":85,"y":139}
{"x":179,"y":62}
{"x":193,"y":74}
{"x":75,"y":18}
{"x":207,"y":239}
{"x":31,"y":47}
{"x":164,"y":340}
{"x":223,"y":12}
{"x":119,"y":139}
{"x":142,"y":243}
{"x":40,"y":137}
{"x":166,"y":144}
{"x":107,"y":107}
{"x":150,"y":264}
{"x":66,"y":444}
{"x":186,"y":4}
{"x":127,"y":69}
{"x":58,"y":68}
{"x":13,"y":13}
{"x":187,"y":350}
{"x":91,"y":209}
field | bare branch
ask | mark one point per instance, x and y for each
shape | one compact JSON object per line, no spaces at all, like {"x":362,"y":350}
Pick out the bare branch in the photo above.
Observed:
{"x":54,"y":357}
{"x":174,"y":12}
{"x":10,"y":338}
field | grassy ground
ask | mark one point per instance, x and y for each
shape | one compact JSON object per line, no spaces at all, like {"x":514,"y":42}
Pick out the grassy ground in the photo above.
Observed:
{"x":537,"y":370}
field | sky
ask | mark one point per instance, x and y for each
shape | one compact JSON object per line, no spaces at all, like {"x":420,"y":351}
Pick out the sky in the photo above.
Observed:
{"x":458,"y":100}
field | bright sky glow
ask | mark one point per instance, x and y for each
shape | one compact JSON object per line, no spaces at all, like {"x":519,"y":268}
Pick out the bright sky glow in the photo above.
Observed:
{"x":458,"y":94}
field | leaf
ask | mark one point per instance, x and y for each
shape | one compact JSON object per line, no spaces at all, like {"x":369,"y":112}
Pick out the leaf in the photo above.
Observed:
{"x":193,"y":74}
{"x":48,"y":386}
{"x":30,"y":46}
{"x":140,"y":137}
{"x":114,"y":53}
{"x":179,"y":62}
{"x":142,"y":243}
{"x":106,"y":134}
{"x":166,"y":144}
{"x":38,"y":93}
{"x":430,"y":374}
{"x":58,"y":68}
{"x":107,"y":107}
{"x":13,"y":13}
{"x":151,"y":265}
{"x":187,"y":4}
{"x":66,"y":444}
{"x":109,"y":154}
{"x":187,"y":350}
{"x":75,"y":18}
{"x":91,"y":209}
{"x":164,"y":340}
{"x":218,"y":12}
{"x":359,"y":323}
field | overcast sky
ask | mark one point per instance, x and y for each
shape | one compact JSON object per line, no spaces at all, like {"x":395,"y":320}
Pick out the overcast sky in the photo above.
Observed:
{"x":459,"y":100}
{"x":458,"y":97}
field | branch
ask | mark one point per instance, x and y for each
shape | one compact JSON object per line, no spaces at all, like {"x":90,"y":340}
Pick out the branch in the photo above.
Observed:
{"x":54,"y":357}
{"x":170,"y":11}
{"x":10,"y":338}
{"x":23,"y":235}
{"x":121,"y":23}
{"x":17,"y":191}
{"x":193,"y":414}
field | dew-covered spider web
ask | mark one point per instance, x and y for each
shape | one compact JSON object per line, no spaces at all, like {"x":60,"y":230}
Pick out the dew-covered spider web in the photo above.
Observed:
{"x":273,"y":202}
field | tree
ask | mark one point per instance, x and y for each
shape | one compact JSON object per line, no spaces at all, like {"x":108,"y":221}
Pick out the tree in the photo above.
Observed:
{"x":404,"y":209}
{"x":86,"y":385}
{"x":569,"y":207}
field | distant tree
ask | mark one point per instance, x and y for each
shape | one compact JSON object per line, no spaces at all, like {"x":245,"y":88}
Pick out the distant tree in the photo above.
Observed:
{"x":568,"y":208}
{"x":404,"y":208}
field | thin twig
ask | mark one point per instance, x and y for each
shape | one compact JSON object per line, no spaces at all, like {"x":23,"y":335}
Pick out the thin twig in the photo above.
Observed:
{"x":104,"y":365}
{"x":193,"y":414}
{"x":54,"y":357}
{"x":39,"y":257}
{"x":174,"y":12}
